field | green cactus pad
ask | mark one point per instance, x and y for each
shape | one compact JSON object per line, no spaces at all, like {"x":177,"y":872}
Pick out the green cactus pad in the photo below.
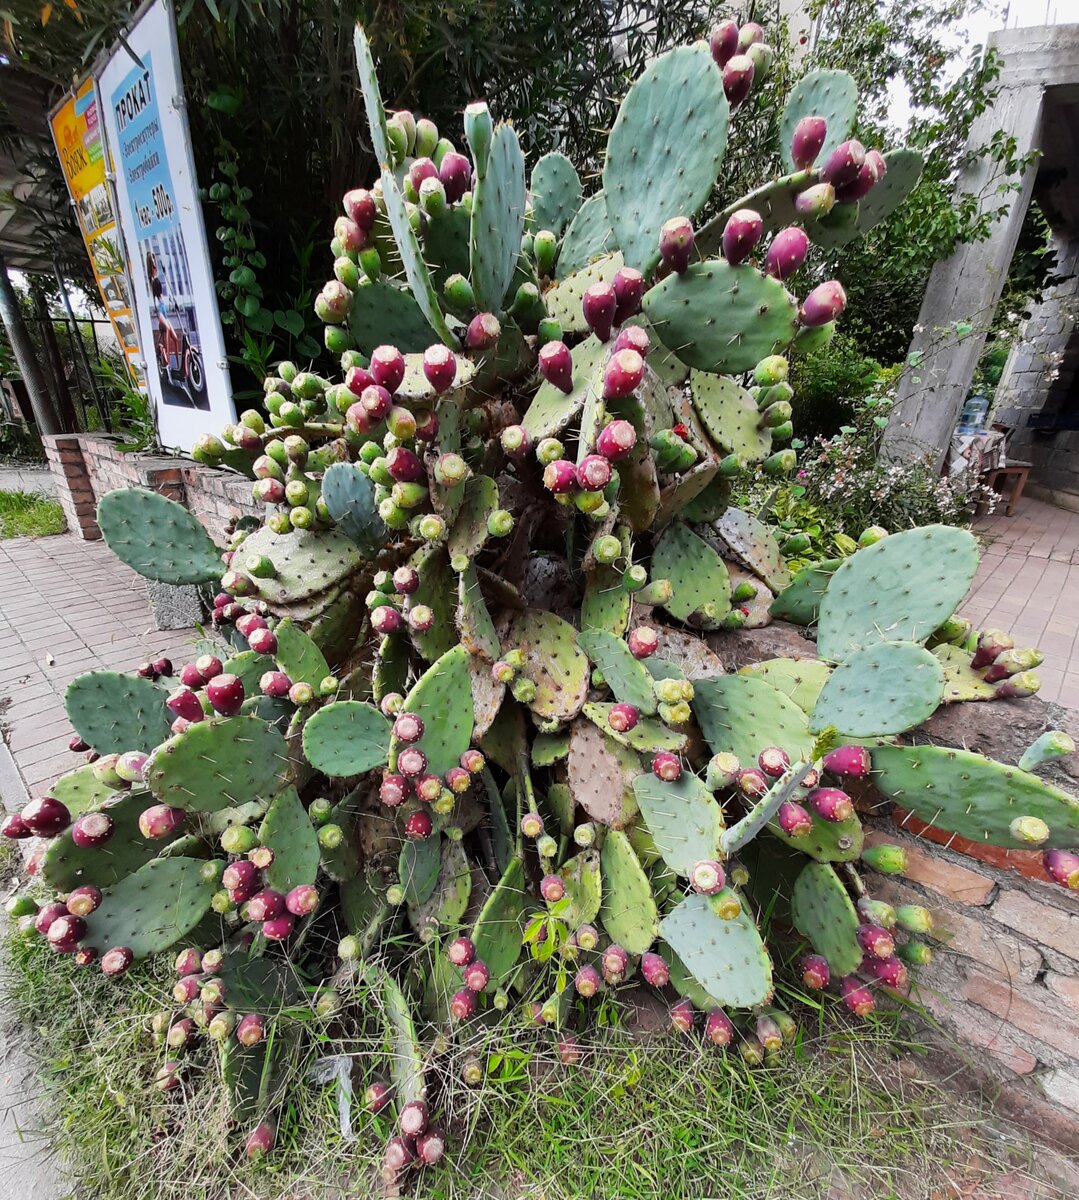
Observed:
{"x":445,"y":244}
{"x":800,"y":679}
{"x":218,"y":764}
{"x":498,"y":220}
{"x":754,"y":545}
{"x":702,"y":587}
{"x":152,"y":909}
{"x":589,"y":235}
{"x":553,"y":661}
{"x":683,"y":818}
{"x":628,"y":912}
{"x":606,"y":604}
{"x":832,"y":95}
{"x":904,"y":171}
{"x":971,"y":795}
{"x":647,"y":736}
{"x":307,"y":562}
{"x":824,"y":913}
{"x":879,"y":691}
{"x":584,"y":888}
{"x":288,"y":832}
{"x":418,"y":868}
{"x":502,"y":837}
{"x":298,"y":656}
{"x":475,"y":624}
{"x":442,"y":699}
{"x":497,"y":932}
{"x":827,"y":841}
{"x":66,"y":866}
{"x":469,"y":531}
{"x":961,"y":681}
{"x":727,"y":958}
{"x":552,"y":409}
{"x":487,"y":694}
{"x":600,"y":773}
{"x":799,"y":601}
{"x":114,"y":712}
{"x":446,"y":905}
{"x":350,"y":498}
{"x":248,"y":667}
{"x":416,"y":388}
{"x":346,"y":738}
{"x":362,"y":901}
{"x":555,"y":193}
{"x":372,"y":97}
{"x":899,"y":590}
{"x":730,"y":415}
{"x":720,"y":318}
{"x":384,"y":314}
{"x":403,"y":1047}
{"x":565,"y":300}
{"x":742,"y":716}
{"x":678,"y":103}
{"x":157,"y":537}
{"x":549,"y":748}
{"x":685,"y":985}
{"x":626,"y":676}
{"x":438,"y":590}
{"x":79,"y":791}
{"x":390,"y":670}
{"x":739,"y":835}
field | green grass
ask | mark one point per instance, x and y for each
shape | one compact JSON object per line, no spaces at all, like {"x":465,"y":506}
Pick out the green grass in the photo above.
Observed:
{"x":662,"y":1119}
{"x":28,"y":514}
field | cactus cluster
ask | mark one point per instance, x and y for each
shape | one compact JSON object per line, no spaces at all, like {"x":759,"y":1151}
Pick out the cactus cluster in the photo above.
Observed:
{"x":459,"y":735}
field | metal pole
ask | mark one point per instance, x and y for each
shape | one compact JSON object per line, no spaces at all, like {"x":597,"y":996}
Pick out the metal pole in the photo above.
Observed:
{"x":90,"y":377}
{"x":40,"y":401}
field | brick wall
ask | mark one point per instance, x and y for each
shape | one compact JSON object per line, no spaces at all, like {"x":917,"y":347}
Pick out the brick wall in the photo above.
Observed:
{"x":87,"y":465}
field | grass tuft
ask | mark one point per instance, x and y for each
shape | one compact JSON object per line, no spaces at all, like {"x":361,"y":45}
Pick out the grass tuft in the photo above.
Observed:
{"x":29,"y":514}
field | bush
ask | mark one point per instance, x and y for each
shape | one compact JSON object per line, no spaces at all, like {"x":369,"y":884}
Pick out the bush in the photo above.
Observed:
{"x":829,"y":384}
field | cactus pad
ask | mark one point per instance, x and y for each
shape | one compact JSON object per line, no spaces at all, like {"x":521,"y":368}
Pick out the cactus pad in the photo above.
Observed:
{"x":442,"y":699}
{"x":350,"y":499}
{"x":1049,"y":747}
{"x":554,"y":662}
{"x":498,"y":219}
{"x":606,"y":604}
{"x":438,"y":590}
{"x":648,"y":735}
{"x":800,"y":679}
{"x":629,"y":912}
{"x":756,"y":611}
{"x":476,"y":627}
{"x":555,"y":193}
{"x":971,"y":795}
{"x":306,"y":562}
{"x":799,"y":601}
{"x":823,"y":912}
{"x":684,"y":654}
{"x":288,"y":832}
{"x":743,"y":716}
{"x":418,"y":867}
{"x":600,"y":773}
{"x":79,"y":791}
{"x":298,"y":656}
{"x":827,"y":841}
{"x":721,"y":318}
{"x":730,"y":415}
{"x":497,"y":932}
{"x":683,"y":818}
{"x":552,"y":409}
{"x":753,"y":544}
{"x":372,"y":97}
{"x":882,"y":690}
{"x":446,"y":905}
{"x":403,"y":1046}
{"x":961,"y":681}
{"x":832,"y":95}
{"x":904,"y":171}
{"x":727,"y":958}
{"x":626,"y":676}
{"x":589,"y":235}
{"x":113,"y":712}
{"x":565,"y":299}
{"x":702,"y":587}
{"x":218,"y":764}
{"x":416,"y":388}
{"x":384,"y":314}
{"x":157,"y":537}
{"x":584,"y":888}
{"x":741,"y":834}
{"x":249,"y":668}
{"x":898,"y":590}
{"x":469,"y":531}
{"x":346,"y":738}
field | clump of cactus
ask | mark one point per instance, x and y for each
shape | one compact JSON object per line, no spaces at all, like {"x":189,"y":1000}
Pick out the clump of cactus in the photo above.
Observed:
{"x":461,"y":733}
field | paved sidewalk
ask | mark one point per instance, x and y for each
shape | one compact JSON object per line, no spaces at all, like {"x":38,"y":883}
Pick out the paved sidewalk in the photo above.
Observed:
{"x":26,"y":479}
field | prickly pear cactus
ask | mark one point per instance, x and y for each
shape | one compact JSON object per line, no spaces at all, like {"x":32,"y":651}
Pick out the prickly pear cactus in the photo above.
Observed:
{"x":441,"y":726}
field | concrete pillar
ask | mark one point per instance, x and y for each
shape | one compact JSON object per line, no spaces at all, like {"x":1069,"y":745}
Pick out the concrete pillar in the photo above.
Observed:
{"x":25,"y":355}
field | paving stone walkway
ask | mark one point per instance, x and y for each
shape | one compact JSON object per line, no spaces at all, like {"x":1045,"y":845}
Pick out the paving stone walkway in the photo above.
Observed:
{"x":26,"y":479}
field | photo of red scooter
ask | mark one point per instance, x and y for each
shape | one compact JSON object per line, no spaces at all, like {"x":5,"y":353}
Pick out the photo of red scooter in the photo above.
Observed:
{"x":179,"y":360}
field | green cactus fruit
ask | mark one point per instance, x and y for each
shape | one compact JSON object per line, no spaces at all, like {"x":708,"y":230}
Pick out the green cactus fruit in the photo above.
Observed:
{"x":157,"y":537}
{"x":882,"y":690}
{"x":824,"y":913}
{"x":726,"y":957}
{"x":114,"y":713}
{"x":629,"y":913}
{"x":1052,"y":745}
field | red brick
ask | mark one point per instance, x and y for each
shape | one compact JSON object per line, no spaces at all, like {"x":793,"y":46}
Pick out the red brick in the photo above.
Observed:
{"x":1050,"y":925}
{"x":1025,"y":862}
{"x":972,"y":1028}
{"x":934,"y":872}
{"x":1064,"y":986}
{"x":1030,"y":1009}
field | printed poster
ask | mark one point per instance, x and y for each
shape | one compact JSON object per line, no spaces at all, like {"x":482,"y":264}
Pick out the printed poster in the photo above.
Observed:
{"x":140,"y":91}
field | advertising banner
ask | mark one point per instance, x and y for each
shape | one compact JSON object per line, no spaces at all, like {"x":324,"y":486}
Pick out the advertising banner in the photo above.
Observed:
{"x":140,"y":91}
{"x":77,"y":133}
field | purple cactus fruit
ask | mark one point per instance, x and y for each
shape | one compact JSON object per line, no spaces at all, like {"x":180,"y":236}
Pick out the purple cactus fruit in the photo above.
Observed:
{"x":807,"y":141}
{"x":266,"y":491}
{"x":463,"y":1004}
{"x":419,"y":826}
{"x":406,"y":580}
{"x":440,"y":367}
{"x":719,"y":1028}
{"x":274,"y":683}
{"x":850,"y":762}
{"x":302,"y":900}
{"x":408,"y":728}
{"x":251,"y":1030}
{"x":794,"y":820}
{"x":431,"y":1146}
{"x":226,"y":694}
{"x":386,"y":619}
{"x":13,"y":826}
{"x":240,"y":875}
{"x":823,"y":304}
{"x":277,"y":929}
{"x":643,"y":641}
{"x":421,"y":169}
{"x":676,"y":241}
{"x":723,"y":42}
{"x":741,"y":234}
{"x":707,"y":877}
{"x":477,"y":975}
{"x":184,"y":703}
{"x":261,"y":856}
{"x":815,"y":201}
{"x":461,"y":951}
{"x":860,"y":185}
{"x":844,"y":163}
{"x":358,"y":380}
{"x":768,"y":1035}
{"x":145,"y":670}
{"x":552,"y":888}
{"x":483,"y":332}
{"x":405,"y":466}
{"x":458,"y":780}
{"x":655,"y":970}
{"x":160,"y":821}
{"x":816,"y":973}
{"x":615,"y":963}
{"x":66,"y":932}
{"x":599,"y":304}
{"x":208,"y":666}
{"x":752,"y":782}
{"x":569,"y":1050}
{"x":831,"y":804}
{"x":516,"y":440}
{"x":246,"y":625}
{"x":1026,"y":683}
{"x":666,"y":766}
{"x":616,"y":440}
{"x":376,"y":1096}
{"x":623,"y":717}
{"x":811,"y":779}
{"x":411,"y":762}
{"x":455,"y":171}
{"x":633,"y":337}
{"x":264,"y":905}
{"x":360,"y":206}
{"x":532,"y":825}
{"x":892,"y":971}
{"x":186,"y":989}
{"x":84,"y":900}
{"x":188,"y":962}
{"x":587,"y":981}
{"x":47,"y":914}
{"x":750,"y":34}
{"x":857,"y":997}
{"x":628,"y":290}
{"x":263,"y":641}
{"x":587,"y":937}
{"x":593,"y":472}
{"x":877,"y":161}
{"x":260,"y":1141}
{"x":46,"y":817}
{"x":387,"y":367}
{"x":560,"y":477}
{"x":787,"y":252}
{"x":117,"y":960}
{"x":1062,"y":866}
{"x":875,"y":940}
{"x":682,"y":1016}
{"x":773,"y":761}
{"x":398,"y":1156}
{"x":168,"y":1077}
{"x":162,"y":666}
{"x":738,"y":75}
{"x":429,"y":788}
{"x":92,"y":829}
{"x":623,"y":374}
{"x":76,"y":744}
